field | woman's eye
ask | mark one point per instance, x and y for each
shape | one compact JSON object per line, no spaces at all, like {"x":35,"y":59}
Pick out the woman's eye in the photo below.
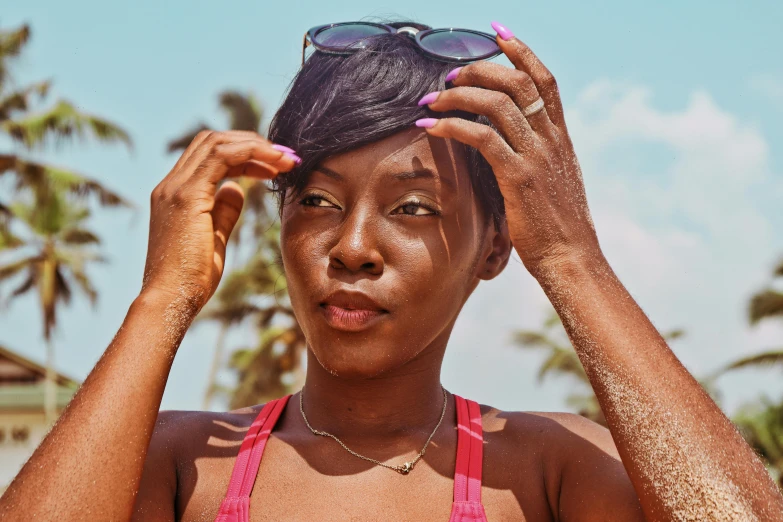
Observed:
{"x":418,"y":205}
{"x":411,"y":208}
{"x":304,"y":201}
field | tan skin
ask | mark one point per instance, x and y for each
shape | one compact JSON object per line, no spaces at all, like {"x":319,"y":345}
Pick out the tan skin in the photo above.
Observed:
{"x":378,"y":389}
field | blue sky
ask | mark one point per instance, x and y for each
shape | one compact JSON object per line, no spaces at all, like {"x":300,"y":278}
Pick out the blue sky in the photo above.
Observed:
{"x":675,"y":110}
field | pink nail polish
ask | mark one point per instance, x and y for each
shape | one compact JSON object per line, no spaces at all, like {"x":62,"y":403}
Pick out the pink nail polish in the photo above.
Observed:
{"x":283,"y":148}
{"x":429,"y":98}
{"x":502,"y":31}
{"x":426,"y":123}
{"x":453,"y":74}
{"x":294,"y":157}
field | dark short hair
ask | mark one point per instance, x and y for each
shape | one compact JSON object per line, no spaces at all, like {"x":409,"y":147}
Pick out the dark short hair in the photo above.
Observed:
{"x":336,"y":103}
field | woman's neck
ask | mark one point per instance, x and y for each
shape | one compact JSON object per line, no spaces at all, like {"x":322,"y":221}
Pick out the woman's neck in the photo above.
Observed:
{"x":382,"y":409}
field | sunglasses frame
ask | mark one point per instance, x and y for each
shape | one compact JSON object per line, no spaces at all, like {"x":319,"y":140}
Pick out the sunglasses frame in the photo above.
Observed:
{"x":417,"y":35}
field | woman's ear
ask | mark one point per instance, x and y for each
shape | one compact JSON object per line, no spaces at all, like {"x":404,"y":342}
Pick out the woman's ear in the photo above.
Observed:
{"x":497,"y":253}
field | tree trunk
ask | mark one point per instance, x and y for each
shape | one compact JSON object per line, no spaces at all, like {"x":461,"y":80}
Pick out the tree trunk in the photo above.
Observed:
{"x":50,"y":385}
{"x":217,"y":358}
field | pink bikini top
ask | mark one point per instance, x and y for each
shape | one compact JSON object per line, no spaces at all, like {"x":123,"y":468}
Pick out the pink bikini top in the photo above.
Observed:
{"x":466,"y":507}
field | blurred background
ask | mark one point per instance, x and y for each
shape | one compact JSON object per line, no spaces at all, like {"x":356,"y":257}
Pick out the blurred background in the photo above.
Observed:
{"x":675,"y":114}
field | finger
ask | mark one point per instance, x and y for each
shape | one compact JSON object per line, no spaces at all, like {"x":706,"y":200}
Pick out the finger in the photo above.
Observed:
{"x":515,"y":83}
{"x":495,"y":105}
{"x":234,"y":154}
{"x":184,"y":157}
{"x":225,"y":213}
{"x":482,"y":137}
{"x":222,"y":151}
{"x":253,"y":169}
{"x":183,"y":171}
{"x":525,"y":60}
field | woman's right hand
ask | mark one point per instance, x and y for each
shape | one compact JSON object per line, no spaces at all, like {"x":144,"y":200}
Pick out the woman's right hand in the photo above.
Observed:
{"x":191,"y":219}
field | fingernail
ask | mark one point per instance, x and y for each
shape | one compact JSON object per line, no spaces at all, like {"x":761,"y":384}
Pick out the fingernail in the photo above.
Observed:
{"x":283,"y":148}
{"x":426,"y":123}
{"x":453,"y":74}
{"x":294,"y":157}
{"x":502,"y":31}
{"x":429,"y":98}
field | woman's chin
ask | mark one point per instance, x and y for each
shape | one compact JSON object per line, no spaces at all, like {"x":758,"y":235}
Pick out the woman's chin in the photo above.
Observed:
{"x":358,"y":364}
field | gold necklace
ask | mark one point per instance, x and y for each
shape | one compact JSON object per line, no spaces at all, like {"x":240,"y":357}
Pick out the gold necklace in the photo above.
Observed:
{"x":403,"y":469}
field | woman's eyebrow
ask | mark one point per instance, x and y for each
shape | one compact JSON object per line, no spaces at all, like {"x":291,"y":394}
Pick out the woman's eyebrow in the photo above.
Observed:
{"x":398,"y":176}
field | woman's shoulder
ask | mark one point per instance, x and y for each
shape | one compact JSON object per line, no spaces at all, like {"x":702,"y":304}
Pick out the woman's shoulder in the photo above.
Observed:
{"x":186,"y":432}
{"x":557,"y":434}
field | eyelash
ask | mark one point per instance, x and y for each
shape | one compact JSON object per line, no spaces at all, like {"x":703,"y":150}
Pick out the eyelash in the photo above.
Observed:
{"x":415,"y":202}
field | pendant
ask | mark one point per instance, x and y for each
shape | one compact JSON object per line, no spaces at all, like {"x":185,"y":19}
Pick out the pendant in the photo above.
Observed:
{"x":405,"y":469}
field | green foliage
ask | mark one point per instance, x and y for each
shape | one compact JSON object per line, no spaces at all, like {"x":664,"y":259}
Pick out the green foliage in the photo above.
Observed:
{"x":45,"y":240}
{"x":63,"y":121}
{"x":29,"y":129}
{"x":51,"y":253}
{"x":11,"y":45}
{"x":562,"y":360}
{"x":761,"y":424}
{"x":765,"y":304}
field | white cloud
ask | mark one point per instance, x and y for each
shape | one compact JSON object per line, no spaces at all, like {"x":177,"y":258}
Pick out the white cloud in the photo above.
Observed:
{"x":685,"y":231}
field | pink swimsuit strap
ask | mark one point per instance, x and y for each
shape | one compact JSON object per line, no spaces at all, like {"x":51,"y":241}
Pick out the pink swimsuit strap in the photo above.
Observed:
{"x":466,"y":507}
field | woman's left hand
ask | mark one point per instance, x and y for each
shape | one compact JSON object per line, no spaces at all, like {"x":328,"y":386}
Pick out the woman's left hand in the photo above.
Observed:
{"x":532,"y":156}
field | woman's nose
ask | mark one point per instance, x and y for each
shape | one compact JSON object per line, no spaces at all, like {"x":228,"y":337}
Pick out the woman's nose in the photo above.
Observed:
{"x":356,"y":248}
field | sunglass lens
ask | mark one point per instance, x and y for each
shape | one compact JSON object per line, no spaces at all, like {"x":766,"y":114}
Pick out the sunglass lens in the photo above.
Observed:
{"x":346,"y":35}
{"x":459,"y":44}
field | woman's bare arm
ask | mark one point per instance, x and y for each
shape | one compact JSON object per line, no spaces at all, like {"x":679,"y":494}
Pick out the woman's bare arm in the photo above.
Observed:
{"x":90,"y":464}
{"x":685,"y":459}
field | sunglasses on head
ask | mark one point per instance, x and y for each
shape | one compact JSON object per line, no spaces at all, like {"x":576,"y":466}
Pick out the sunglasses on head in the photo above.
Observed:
{"x":447,"y":45}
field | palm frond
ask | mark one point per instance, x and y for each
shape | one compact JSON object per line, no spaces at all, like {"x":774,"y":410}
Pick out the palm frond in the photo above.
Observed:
{"x":27,"y":284}
{"x":760,"y":360}
{"x":84,"y":284}
{"x":778,"y":272}
{"x":563,"y":362}
{"x":243,"y":110}
{"x":228,"y":313}
{"x":8,"y":240}
{"x":673,"y":335}
{"x":552,"y":320}
{"x":12,"y":42}
{"x":80,"y":236}
{"x":11,"y":45}
{"x":261,"y":371}
{"x":767,"y":303}
{"x":182,"y":142}
{"x":10,"y":270}
{"x":41,"y":178}
{"x":62,"y":286}
{"x":20,"y":100}
{"x":61,"y":122}
{"x":533,"y":339}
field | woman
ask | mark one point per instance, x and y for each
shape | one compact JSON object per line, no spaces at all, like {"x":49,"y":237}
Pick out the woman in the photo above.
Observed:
{"x":397,"y":199}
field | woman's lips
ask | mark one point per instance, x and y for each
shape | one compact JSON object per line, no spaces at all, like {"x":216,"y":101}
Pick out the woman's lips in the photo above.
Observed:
{"x":350,"y":320}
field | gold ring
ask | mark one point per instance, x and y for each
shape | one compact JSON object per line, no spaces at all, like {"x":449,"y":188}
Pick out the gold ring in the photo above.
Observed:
{"x":533,"y":107}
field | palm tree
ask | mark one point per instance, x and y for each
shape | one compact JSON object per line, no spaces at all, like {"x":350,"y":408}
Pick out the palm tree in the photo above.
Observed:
{"x":51,"y":257}
{"x":30,"y":130}
{"x":274,"y":367}
{"x":761,"y":424}
{"x":765,"y":304}
{"x":54,"y":249}
{"x":237,"y":299}
{"x":563,"y":360}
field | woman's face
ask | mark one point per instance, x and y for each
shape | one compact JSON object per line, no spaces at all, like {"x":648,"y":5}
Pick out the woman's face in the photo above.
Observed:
{"x":396,"y":220}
